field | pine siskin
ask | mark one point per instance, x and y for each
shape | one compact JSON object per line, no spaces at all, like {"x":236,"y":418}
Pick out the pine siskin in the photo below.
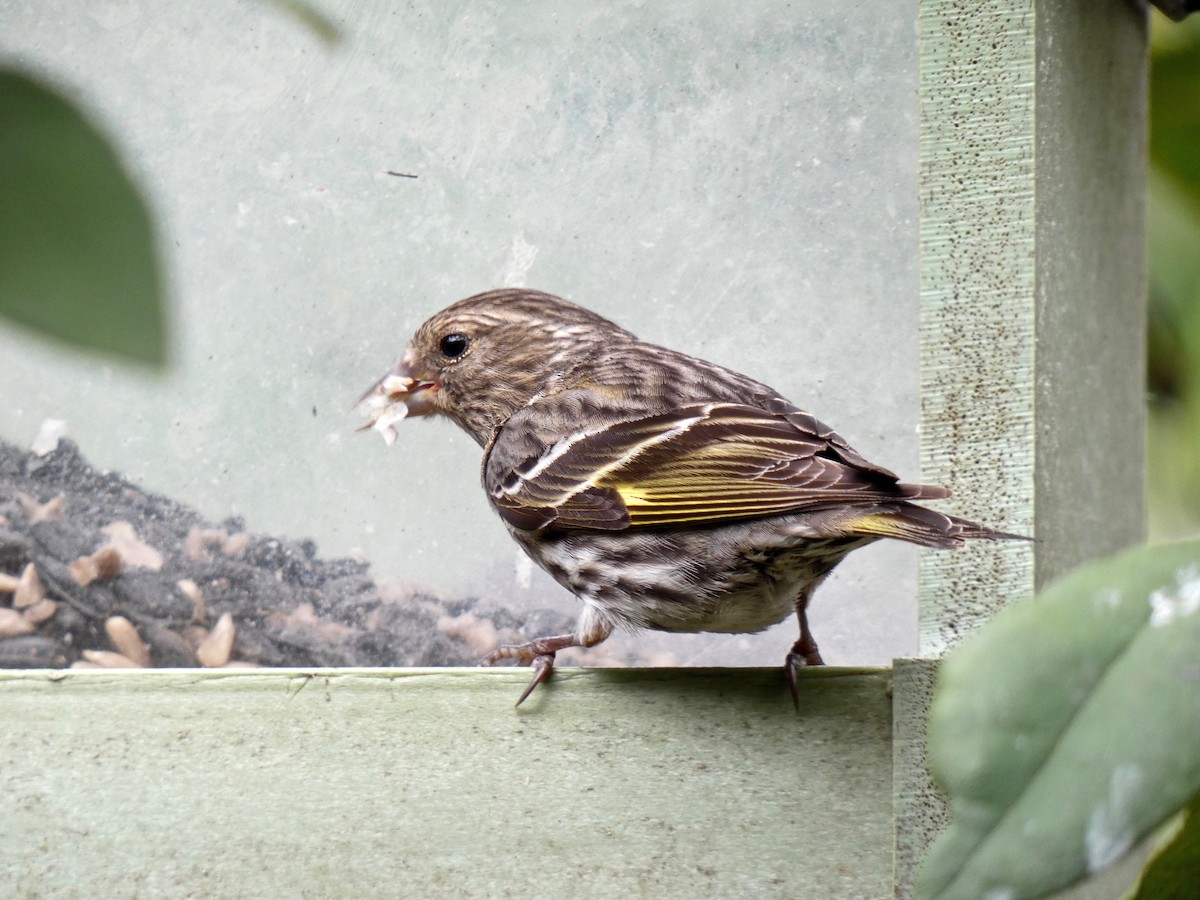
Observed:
{"x":664,"y":491}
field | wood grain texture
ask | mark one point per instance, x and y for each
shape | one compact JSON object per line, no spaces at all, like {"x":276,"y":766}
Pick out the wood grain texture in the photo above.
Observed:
{"x":1032,"y":291}
{"x":420,"y":783}
{"x":977,"y":75}
{"x":921,"y":810}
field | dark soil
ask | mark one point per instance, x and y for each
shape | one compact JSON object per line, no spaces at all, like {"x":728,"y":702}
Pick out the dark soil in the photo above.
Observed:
{"x":290,"y":607}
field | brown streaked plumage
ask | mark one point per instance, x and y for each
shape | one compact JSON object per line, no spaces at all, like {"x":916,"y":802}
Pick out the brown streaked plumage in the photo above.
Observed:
{"x":664,"y":491}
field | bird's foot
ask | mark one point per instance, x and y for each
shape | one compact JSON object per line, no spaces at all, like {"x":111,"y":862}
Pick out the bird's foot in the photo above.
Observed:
{"x":538,"y":653}
{"x":804,"y":653}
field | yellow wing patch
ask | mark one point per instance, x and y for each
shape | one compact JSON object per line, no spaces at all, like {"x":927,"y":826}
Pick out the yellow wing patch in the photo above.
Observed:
{"x":668,"y":498}
{"x":884,"y":526}
{"x":631,"y":495}
{"x":699,"y":464}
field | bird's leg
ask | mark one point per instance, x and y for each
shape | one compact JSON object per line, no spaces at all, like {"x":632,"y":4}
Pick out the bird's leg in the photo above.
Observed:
{"x":538,"y":653}
{"x":804,"y":652}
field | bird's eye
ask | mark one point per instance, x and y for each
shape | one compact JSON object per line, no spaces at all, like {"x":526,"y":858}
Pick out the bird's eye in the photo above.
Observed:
{"x":454,"y":345}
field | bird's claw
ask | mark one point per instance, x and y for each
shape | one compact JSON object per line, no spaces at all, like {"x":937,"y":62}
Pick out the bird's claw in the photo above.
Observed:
{"x":522,"y":653}
{"x":802,"y":655}
{"x":542,"y":667}
{"x":538,"y":653}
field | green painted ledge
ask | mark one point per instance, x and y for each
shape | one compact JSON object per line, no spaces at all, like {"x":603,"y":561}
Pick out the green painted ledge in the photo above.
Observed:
{"x":428,"y":782}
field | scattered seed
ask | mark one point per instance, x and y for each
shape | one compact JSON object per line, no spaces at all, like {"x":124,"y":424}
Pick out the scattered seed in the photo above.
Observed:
{"x":192,"y":591}
{"x":34,"y":651}
{"x":109,"y":561}
{"x":13,"y":623}
{"x":83,"y":570}
{"x":135,"y":553}
{"x":168,"y":648}
{"x":8,"y":583}
{"x":36,"y":511}
{"x":235,"y":545}
{"x":215,"y":649}
{"x":48,"y":437}
{"x":29,"y":588}
{"x":194,"y":635}
{"x":41,"y":611}
{"x":104,"y":563}
{"x":304,"y":618}
{"x":125,"y":638}
{"x":200,"y":540}
{"x":106,"y":659}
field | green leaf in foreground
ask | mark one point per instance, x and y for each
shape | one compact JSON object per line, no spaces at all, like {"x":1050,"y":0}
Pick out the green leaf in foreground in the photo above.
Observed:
{"x":1068,"y":727}
{"x":77,"y":253}
{"x":1174,"y":872}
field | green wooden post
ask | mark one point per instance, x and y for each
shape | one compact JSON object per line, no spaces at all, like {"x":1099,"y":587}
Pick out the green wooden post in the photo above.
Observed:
{"x":1032,"y":290}
{"x":1033,"y":121}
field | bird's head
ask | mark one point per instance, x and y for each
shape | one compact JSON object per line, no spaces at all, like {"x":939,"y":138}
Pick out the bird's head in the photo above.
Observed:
{"x":480,"y":360}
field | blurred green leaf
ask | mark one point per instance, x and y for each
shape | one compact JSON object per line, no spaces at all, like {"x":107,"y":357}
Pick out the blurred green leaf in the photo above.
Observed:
{"x":1173,"y":232}
{"x":1175,"y":108}
{"x":1067,"y":728}
{"x":1173,"y":360}
{"x":1174,"y":871}
{"x":1173,"y":208}
{"x":77,"y":252}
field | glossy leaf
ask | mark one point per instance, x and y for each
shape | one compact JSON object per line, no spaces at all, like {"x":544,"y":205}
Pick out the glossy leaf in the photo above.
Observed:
{"x":1067,"y":728}
{"x":1174,"y":871}
{"x":77,"y":252}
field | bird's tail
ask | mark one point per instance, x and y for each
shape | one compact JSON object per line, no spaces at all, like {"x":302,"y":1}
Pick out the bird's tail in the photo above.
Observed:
{"x":925,"y":527}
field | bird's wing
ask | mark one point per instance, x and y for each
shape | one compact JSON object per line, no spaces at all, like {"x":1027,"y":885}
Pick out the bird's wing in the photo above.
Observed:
{"x":699,"y":464}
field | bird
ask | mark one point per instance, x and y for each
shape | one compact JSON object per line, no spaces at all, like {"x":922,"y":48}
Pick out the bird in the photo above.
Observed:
{"x":664,"y":491}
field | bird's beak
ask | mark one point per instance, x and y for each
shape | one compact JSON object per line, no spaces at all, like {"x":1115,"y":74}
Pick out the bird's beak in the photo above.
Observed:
{"x":397,"y":395}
